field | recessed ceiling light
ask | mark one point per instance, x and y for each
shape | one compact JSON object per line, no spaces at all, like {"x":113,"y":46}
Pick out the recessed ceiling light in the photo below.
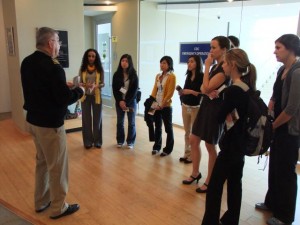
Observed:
{"x":230,"y":0}
{"x":107,"y":2}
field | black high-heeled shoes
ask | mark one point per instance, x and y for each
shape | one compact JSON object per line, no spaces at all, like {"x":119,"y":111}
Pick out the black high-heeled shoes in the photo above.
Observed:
{"x":199,"y":190}
{"x":193,"y":179}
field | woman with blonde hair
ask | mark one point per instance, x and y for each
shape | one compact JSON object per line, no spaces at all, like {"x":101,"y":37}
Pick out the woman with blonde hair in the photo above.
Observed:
{"x":230,"y":161}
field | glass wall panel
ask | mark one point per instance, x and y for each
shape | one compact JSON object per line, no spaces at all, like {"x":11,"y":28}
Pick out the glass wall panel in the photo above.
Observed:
{"x":257,"y":23}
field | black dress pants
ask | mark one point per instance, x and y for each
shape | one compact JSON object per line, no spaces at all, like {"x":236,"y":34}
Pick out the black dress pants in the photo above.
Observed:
{"x":165,"y":116}
{"x":228,"y":166}
{"x":282,"y":190}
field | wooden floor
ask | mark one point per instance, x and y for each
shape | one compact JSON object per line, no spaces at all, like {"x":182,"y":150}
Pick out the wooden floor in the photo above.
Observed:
{"x":119,"y":186}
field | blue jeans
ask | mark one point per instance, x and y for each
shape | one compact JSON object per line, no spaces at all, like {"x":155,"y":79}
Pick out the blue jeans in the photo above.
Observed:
{"x":131,"y":134}
{"x":164,"y":115}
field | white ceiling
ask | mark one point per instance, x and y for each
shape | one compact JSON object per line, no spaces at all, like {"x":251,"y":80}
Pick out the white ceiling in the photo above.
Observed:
{"x":102,"y":2}
{"x":267,"y":7}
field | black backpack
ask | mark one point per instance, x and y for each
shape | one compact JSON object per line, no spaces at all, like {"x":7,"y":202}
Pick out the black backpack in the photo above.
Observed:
{"x":258,"y":124}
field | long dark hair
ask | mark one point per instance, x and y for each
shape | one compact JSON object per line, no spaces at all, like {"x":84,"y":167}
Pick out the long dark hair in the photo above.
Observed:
{"x":290,"y":42}
{"x":245,"y":68}
{"x":130,"y":70}
{"x":85,"y":61}
{"x":199,"y":67}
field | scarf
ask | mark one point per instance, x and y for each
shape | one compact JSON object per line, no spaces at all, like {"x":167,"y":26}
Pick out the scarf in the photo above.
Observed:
{"x":97,"y":90}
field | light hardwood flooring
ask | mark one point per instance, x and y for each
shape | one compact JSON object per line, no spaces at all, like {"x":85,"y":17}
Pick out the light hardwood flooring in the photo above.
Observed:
{"x":120,"y":186}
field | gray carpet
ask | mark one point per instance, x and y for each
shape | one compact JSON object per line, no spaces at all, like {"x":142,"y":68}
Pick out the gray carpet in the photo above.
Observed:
{"x":9,"y":218}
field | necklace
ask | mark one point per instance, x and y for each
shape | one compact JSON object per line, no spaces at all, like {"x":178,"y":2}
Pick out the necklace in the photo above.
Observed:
{"x":90,"y":68}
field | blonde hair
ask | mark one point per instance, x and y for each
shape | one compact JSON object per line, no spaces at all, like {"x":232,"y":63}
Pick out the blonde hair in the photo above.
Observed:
{"x":245,"y":68}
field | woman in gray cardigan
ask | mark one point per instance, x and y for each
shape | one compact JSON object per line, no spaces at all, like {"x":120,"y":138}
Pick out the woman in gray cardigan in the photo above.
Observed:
{"x":285,"y":103}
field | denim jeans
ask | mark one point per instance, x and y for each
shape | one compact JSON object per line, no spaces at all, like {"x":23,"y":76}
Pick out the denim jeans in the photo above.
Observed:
{"x":131,"y":134}
{"x":164,"y":115}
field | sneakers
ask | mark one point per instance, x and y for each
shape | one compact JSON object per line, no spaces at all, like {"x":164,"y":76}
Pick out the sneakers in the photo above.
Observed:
{"x":275,"y":221}
{"x":129,"y":146}
{"x":119,"y":145}
{"x":261,"y":206}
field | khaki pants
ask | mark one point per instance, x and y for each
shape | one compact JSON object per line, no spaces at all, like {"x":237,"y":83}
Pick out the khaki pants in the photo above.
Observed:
{"x":51,"y":172}
{"x":188,"y":116}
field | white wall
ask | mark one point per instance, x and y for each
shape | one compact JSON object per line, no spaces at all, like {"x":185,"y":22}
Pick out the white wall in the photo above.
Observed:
{"x":25,"y":17}
{"x":4,"y":87}
{"x":89,"y":32}
{"x":154,"y":44}
{"x":257,"y":26}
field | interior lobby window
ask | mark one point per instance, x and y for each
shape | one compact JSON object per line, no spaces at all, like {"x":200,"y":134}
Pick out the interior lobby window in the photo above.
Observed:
{"x":164,"y":24}
{"x":104,"y":50}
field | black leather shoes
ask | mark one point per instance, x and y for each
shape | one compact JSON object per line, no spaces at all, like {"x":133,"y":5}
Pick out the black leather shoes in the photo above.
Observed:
{"x":261,"y":206}
{"x":199,"y":190}
{"x":70,"y":210}
{"x":182,"y":159}
{"x":163,"y":154}
{"x":97,"y":145}
{"x":43,"y":208}
{"x":188,"y":161}
{"x":154,"y":152}
{"x":88,"y":146}
{"x":193,"y":179}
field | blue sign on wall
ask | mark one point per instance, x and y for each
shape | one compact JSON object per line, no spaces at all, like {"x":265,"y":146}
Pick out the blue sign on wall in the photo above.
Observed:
{"x":193,"y":48}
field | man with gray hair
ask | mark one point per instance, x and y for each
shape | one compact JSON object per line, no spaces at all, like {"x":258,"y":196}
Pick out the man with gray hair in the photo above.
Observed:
{"x":46,"y":98}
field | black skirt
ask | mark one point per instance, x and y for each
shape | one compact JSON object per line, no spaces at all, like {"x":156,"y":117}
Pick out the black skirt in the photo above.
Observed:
{"x":206,"y":124}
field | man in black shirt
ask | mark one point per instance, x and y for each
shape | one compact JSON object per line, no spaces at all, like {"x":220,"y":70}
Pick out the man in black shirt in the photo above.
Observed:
{"x":46,"y":97}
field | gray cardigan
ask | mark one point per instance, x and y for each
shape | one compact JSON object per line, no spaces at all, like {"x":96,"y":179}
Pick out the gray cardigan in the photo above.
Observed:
{"x":290,"y":99}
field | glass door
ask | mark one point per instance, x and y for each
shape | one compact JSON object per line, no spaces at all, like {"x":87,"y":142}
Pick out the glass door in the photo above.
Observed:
{"x":104,"y":49}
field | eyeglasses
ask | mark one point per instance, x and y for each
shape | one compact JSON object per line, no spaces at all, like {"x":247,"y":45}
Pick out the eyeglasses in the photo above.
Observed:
{"x":59,"y":42}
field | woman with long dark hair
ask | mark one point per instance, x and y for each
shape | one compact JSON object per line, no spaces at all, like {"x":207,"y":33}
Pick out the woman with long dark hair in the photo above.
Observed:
{"x":190,"y":101}
{"x":125,"y":86}
{"x":285,"y":104}
{"x":92,"y":78}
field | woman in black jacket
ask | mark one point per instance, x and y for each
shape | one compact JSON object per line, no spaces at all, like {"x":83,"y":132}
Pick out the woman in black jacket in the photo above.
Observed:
{"x":230,"y":161}
{"x":125,"y":87}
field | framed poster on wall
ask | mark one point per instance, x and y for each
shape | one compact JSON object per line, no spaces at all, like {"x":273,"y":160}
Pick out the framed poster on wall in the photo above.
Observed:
{"x":63,"y":56}
{"x":10,"y":41}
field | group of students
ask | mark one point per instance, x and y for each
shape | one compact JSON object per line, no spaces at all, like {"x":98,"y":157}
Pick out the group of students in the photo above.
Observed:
{"x":208,"y":98}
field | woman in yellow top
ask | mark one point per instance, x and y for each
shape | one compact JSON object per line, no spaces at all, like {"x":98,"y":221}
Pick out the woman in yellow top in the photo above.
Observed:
{"x":163,"y":91}
{"x":91,"y":77}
